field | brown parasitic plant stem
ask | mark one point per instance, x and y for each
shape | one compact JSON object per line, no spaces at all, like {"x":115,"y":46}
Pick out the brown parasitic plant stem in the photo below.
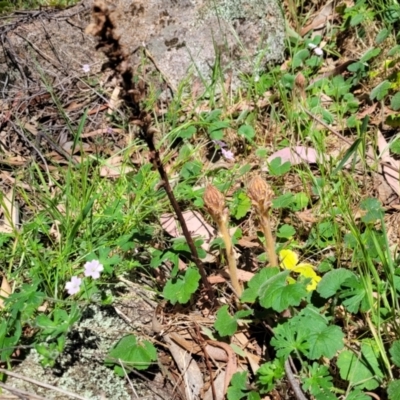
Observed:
{"x":269,"y":240}
{"x":215,"y":204}
{"x":223,"y":229}
{"x":261,"y":195}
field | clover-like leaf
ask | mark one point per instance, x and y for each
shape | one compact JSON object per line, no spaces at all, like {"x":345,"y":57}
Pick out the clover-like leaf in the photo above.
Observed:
{"x":354,"y":369}
{"x":225,"y":324}
{"x":277,"y":294}
{"x":131,"y":353}
{"x":181,"y":288}
{"x":251,"y":293}
{"x":332,"y":281}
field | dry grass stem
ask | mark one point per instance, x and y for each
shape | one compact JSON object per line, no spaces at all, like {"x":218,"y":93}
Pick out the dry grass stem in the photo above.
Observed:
{"x":215,"y":204}
{"x":261,"y":194}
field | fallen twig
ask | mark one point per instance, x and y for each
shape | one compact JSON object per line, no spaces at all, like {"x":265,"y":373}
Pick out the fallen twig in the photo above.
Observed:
{"x":42,"y":384}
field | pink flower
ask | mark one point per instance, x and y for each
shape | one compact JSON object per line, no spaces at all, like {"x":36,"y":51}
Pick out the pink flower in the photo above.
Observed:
{"x":93,"y":269}
{"x":73,"y":286}
{"x":228,"y":155}
{"x":86,"y":68}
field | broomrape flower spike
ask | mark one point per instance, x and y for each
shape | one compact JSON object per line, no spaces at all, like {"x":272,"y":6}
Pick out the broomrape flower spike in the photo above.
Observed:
{"x":214,"y":201}
{"x":93,"y":268}
{"x":73,"y":286}
{"x":261,"y":194}
{"x":290,"y":260}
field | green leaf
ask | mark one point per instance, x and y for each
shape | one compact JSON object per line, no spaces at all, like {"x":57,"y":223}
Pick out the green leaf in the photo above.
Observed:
{"x":276,"y":168}
{"x":325,"y":342}
{"x":318,"y":379}
{"x":241,"y":204}
{"x":181,"y":289}
{"x":277,"y":294}
{"x":357,"y":394}
{"x":355,"y":295}
{"x":332,"y":281}
{"x":269,"y":373}
{"x":372,"y":53}
{"x":351,"y":151}
{"x":394,"y":51}
{"x":237,"y":388}
{"x":251,"y":293}
{"x":393,"y":390}
{"x":253,"y":395}
{"x":283,"y":201}
{"x":374,"y":210}
{"x":395,"y":102}
{"x":371,"y":355}
{"x":187,"y":133}
{"x":395,"y":352}
{"x":382,"y":36}
{"x":247,"y":131}
{"x":380,"y":91}
{"x":323,"y":339}
{"x":300,"y":57}
{"x":287,"y":340}
{"x":132,"y":354}
{"x":357,"y":19}
{"x":353,"y":369}
{"x":225,"y":324}
{"x":286,"y":231}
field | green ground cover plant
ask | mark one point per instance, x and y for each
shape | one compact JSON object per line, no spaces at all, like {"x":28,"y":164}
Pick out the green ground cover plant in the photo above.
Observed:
{"x":303,"y":264}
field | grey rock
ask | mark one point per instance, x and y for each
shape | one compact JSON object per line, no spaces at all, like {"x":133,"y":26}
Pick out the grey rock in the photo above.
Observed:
{"x":187,"y":36}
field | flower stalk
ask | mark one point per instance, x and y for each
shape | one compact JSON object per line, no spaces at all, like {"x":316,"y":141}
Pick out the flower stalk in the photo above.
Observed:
{"x":261,"y":195}
{"x":215,"y":205}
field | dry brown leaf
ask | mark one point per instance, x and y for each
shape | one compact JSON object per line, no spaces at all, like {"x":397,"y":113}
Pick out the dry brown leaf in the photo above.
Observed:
{"x":6,"y":176}
{"x":219,"y":388}
{"x":333,"y":72}
{"x":69,"y":146}
{"x":243,"y":276}
{"x":101,"y":131}
{"x":324,"y":15}
{"x":254,"y":361}
{"x":115,"y":101}
{"x":5,"y":291}
{"x":191,"y":373}
{"x":114,"y":167}
{"x":197,"y":227}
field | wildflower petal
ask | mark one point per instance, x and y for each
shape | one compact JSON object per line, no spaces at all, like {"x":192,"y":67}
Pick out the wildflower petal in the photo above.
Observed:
{"x":73,"y":286}
{"x":289,"y":259}
{"x":93,"y":269}
{"x":228,"y":155}
{"x":307,"y":271}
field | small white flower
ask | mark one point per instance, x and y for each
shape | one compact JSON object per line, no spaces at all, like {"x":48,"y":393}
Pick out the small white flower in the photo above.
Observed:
{"x":228,"y":155}
{"x":86,"y":68}
{"x":93,"y":269}
{"x":317,"y":50}
{"x":73,"y":286}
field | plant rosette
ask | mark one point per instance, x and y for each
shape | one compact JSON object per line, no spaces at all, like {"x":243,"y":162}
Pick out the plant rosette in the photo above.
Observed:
{"x":290,"y":260}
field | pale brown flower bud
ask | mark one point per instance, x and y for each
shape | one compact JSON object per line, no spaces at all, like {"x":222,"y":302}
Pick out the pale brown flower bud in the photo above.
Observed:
{"x":299,"y":85}
{"x":214,"y":201}
{"x":260,"y":192}
{"x":300,"y":81}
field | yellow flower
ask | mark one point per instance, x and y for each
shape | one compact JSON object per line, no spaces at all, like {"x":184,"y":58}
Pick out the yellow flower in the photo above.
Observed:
{"x":290,"y":260}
